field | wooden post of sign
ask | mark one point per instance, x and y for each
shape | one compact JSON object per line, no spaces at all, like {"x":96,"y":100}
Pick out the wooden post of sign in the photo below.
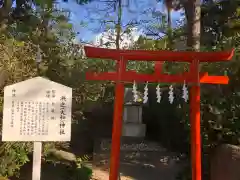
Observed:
{"x":37,"y":155}
{"x":37,"y":146}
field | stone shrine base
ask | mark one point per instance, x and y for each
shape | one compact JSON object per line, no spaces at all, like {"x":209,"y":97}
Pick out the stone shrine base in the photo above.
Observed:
{"x":134,"y":130}
{"x":140,"y":160}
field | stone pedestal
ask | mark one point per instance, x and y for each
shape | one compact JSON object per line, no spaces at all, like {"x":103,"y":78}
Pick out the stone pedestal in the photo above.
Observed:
{"x":134,"y":130}
{"x":132,"y":118}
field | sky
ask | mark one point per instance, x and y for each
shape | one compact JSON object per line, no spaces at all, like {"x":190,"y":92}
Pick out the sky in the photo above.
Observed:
{"x":80,"y":14}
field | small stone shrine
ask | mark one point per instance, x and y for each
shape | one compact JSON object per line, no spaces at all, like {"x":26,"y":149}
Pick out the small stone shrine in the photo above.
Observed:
{"x":132,"y":116}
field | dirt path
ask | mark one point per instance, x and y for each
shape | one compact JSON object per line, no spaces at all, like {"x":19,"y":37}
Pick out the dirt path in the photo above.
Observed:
{"x":156,"y":166}
{"x":104,"y":175}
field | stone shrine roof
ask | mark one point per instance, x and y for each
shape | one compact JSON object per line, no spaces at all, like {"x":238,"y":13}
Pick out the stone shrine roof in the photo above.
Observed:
{"x":128,"y":98}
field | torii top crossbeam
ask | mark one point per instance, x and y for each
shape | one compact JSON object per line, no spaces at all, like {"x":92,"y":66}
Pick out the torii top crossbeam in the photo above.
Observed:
{"x":162,"y":55}
{"x":122,"y":76}
{"x":158,"y":56}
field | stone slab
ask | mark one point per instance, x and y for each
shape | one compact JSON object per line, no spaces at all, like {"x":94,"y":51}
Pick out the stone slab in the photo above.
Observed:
{"x":134,"y":130}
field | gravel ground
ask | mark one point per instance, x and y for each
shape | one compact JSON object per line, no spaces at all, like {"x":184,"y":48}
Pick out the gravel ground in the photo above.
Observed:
{"x":157,"y":166}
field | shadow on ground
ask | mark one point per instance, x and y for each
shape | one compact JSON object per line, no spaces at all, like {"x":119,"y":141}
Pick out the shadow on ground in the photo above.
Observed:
{"x":150,"y":165}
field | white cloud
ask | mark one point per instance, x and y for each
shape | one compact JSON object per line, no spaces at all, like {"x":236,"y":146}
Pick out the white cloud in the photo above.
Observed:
{"x":107,"y":39}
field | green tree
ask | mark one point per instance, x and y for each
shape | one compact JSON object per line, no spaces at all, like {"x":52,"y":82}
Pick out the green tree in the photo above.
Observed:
{"x":62,"y":62}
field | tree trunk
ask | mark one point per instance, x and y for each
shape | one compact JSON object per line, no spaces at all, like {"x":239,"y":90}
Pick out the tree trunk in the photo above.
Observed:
{"x":193,"y":15}
{"x":118,"y":25}
{"x":169,"y":28}
{"x":5,"y":9}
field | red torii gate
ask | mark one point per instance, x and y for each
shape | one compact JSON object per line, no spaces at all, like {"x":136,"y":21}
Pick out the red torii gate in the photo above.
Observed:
{"x":192,"y":77}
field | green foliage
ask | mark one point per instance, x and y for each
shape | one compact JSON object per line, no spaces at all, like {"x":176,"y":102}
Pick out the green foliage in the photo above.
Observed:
{"x":13,"y":156}
{"x":44,"y":3}
{"x":83,"y":173}
{"x":62,"y":62}
{"x":81,"y":160}
{"x":221,"y":22}
{"x":219,"y":103}
{"x":23,"y":29}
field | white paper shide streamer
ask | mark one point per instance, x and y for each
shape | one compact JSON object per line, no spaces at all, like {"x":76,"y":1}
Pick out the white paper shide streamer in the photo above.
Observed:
{"x":171,"y":97}
{"x":185,"y":92}
{"x":134,"y":90}
{"x":158,"y":93}
{"x":145,"y":97}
